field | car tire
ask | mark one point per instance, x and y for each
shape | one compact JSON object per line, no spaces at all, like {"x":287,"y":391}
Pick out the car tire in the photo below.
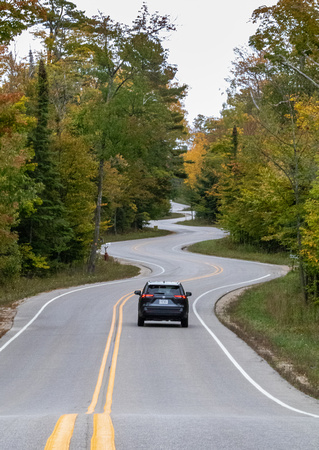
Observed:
{"x":184,"y":322}
{"x":140,"y":321}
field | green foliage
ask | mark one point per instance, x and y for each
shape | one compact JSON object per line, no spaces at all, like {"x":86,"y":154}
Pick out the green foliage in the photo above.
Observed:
{"x":46,"y":229}
{"x":93,"y":144}
{"x":263,"y":181}
{"x":289,"y":27}
{"x":129,"y":112}
{"x":10,"y":260}
{"x":16,"y":16}
{"x":77,"y":169}
{"x":16,"y":187}
{"x":59,"y":19}
{"x":207,"y":204}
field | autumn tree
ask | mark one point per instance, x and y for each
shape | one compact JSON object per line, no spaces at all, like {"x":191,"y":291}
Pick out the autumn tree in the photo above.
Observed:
{"x":275,"y":162}
{"x":195,"y":157}
{"x":124,"y":58}
{"x":56,"y":26}
{"x":287,"y":34}
{"x":104,"y":117}
{"x":17,"y":190}
{"x":211,"y":149}
{"x":77,"y":168}
{"x":16,"y":16}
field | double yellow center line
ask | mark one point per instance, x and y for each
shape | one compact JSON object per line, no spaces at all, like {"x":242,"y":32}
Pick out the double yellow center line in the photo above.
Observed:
{"x":103,"y":432}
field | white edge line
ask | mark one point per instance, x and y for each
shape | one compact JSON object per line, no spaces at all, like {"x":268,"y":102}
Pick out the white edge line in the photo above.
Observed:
{"x":95,"y":285}
{"x":232,"y":359}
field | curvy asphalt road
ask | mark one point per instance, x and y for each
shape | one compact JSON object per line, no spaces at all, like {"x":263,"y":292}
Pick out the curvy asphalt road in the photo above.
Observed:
{"x":76,"y":372}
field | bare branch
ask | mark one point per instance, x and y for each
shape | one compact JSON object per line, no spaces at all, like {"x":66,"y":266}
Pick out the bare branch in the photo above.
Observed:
{"x":291,"y":66}
{"x":280,"y":167}
{"x":253,"y":99}
{"x":310,"y":59}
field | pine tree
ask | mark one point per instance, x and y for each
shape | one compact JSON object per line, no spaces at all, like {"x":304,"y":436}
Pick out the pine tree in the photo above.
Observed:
{"x":45,"y":229}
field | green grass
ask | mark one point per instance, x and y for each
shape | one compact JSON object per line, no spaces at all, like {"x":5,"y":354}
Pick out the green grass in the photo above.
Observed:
{"x":27,"y":287}
{"x":172,"y":216}
{"x":226,"y":248}
{"x":141,"y":234}
{"x":105,"y":271}
{"x":273,"y":317}
{"x":197,"y":223}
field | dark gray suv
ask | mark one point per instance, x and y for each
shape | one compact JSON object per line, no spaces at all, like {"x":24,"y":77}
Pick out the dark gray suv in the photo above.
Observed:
{"x":163,"y":300}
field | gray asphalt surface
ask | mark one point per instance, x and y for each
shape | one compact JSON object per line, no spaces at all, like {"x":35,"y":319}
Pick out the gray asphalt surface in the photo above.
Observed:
{"x":175,"y":388}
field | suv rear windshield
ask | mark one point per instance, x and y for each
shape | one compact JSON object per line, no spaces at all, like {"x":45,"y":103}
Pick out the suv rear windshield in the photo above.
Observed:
{"x":163,"y":289}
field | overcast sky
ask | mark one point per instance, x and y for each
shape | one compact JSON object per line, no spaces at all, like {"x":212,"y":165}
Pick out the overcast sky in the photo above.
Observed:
{"x":202,"y":47}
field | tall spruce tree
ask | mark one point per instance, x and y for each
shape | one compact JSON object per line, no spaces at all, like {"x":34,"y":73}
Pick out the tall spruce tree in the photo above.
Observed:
{"x":45,"y":229}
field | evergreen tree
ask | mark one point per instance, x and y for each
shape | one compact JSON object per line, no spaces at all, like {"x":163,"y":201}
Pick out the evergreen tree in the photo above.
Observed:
{"x":46,"y":229}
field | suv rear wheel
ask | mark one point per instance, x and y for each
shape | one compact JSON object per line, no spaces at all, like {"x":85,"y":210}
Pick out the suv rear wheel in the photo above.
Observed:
{"x":140,"y":321}
{"x":184,"y":322}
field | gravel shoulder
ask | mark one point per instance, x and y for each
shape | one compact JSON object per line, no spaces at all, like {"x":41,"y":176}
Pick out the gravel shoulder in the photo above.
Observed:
{"x":7,"y":315}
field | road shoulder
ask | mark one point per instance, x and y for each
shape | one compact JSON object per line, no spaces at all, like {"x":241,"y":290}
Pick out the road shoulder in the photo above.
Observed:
{"x":284,"y":368}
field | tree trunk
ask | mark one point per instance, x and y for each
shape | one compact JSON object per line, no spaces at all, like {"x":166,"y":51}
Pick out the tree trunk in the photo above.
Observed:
{"x":235,"y":141}
{"x":92,"y":258}
{"x":302,"y":272}
{"x":115,"y":223}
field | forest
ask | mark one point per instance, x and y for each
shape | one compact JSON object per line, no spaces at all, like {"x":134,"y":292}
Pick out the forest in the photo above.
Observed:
{"x":94,"y":137}
{"x":254,"y":171}
{"x":91,"y":133}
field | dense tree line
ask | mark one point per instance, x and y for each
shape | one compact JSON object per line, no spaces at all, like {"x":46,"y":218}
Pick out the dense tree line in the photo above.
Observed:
{"x":255,"y":170}
{"x":88,"y":133}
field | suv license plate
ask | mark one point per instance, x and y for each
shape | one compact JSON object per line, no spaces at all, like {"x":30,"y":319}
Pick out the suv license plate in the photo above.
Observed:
{"x":163,"y":302}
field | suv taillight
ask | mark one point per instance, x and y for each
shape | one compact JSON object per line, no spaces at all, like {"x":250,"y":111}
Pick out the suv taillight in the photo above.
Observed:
{"x":147,"y":295}
{"x":180,"y":296}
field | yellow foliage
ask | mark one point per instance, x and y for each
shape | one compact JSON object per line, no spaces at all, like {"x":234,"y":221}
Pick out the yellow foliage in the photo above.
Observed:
{"x":308,"y":114}
{"x":32,"y":261}
{"x":194,"y":158}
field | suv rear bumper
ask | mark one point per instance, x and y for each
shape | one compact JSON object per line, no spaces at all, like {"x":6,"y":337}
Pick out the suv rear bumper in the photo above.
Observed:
{"x":160,"y":313}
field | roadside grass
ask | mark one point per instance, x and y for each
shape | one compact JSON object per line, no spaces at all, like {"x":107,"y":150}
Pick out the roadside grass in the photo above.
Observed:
{"x":273,"y":318}
{"x":275,"y":321}
{"x":27,"y":287}
{"x":226,"y":248}
{"x":105,"y":271}
{"x":147,"y":232}
{"x":196,"y":223}
{"x":173,"y":216}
